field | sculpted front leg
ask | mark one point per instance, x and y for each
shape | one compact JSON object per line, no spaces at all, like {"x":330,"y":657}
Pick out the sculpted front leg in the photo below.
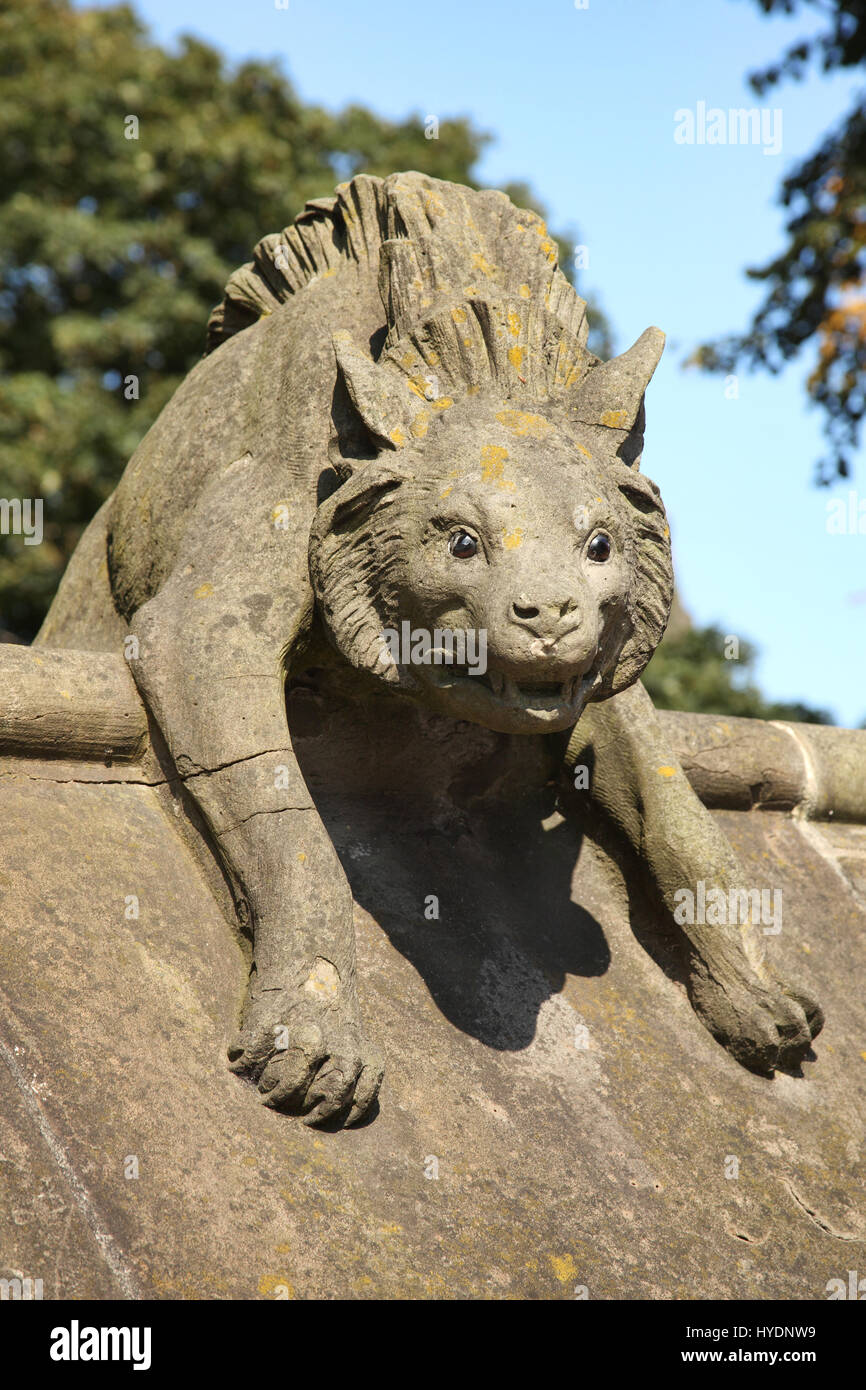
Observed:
{"x":226,"y":728}
{"x":638,"y":784}
{"x":301,"y":1038}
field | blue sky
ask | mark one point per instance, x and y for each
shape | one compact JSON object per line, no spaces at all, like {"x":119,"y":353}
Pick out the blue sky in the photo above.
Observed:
{"x":582,"y":103}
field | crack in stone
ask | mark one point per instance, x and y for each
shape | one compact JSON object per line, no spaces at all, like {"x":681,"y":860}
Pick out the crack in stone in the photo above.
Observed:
{"x":817,"y":1220}
{"x":270,"y":811}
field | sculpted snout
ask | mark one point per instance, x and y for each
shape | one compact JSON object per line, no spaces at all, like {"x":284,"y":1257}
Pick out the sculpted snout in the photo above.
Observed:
{"x":548,"y":619}
{"x":543,"y":629}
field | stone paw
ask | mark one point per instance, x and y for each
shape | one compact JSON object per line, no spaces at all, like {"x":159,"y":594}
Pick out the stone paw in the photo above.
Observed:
{"x":316,"y":1065}
{"x":763,"y":1022}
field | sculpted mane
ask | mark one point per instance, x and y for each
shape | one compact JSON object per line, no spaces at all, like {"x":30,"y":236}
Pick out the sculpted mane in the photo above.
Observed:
{"x":472,"y":295}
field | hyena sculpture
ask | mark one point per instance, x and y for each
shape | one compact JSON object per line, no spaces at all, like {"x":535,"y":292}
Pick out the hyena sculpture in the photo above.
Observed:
{"x":397,"y":420}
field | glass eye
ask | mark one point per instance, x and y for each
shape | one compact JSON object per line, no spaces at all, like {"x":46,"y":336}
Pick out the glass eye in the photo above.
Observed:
{"x":599,"y":548}
{"x":463,"y":546}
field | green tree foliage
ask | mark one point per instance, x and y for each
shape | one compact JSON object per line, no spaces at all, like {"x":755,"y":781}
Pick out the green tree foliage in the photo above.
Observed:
{"x":815,"y":288}
{"x":690,"y":671}
{"x":113,"y":250}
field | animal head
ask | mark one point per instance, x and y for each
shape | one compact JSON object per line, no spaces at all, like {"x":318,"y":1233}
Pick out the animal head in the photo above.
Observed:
{"x":484,"y":463}
{"x":516,"y":527}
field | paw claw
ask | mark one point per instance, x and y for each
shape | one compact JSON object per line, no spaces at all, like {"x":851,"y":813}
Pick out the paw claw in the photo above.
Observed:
{"x":764,"y":1023}
{"x":325,"y":1070}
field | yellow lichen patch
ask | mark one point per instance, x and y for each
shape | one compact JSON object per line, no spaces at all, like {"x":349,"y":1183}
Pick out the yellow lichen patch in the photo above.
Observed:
{"x":433,"y":204}
{"x":470,"y":290}
{"x":276,"y":1285}
{"x":472,"y":390}
{"x":583,"y":450}
{"x":420,"y":424}
{"x":521,"y":422}
{"x":397,"y":437}
{"x":513,"y":320}
{"x":512,"y":539}
{"x":540,"y":228}
{"x":525,"y":292}
{"x":667,"y":772}
{"x":615,"y":419}
{"x":433,"y":358}
{"x":392,"y":1229}
{"x":443,"y":403}
{"x":479,"y":262}
{"x":66,"y":695}
{"x":419,"y":384}
{"x":203,"y":591}
{"x":407,"y":360}
{"x":564,"y":1267}
{"x":302,"y":858}
{"x":446,"y":493}
{"x":458,"y":315}
{"x":863,"y":1055}
{"x":493,"y":458}
{"x":515,"y":357}
{"x":467,"y":342}
{"x":323,"y":979}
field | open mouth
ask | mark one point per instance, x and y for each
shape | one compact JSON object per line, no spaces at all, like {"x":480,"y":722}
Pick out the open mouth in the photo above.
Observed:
{"x":535,"y":695}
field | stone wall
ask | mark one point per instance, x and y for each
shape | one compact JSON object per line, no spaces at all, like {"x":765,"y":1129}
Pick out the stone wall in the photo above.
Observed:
{"x":553,"y":1118}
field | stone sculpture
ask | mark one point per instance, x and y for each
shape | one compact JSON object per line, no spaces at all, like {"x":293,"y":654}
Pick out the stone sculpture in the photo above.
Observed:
{"x":398,"y":429}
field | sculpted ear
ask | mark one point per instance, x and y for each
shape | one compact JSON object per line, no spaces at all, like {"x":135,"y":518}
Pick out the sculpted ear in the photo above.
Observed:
{"x":609,"y":399}
{"x":355,"y":535}
{"x":641,"y":491}
{"x":380,"y":395}
{"x":356,"y":504}
{"x":652,"y":579}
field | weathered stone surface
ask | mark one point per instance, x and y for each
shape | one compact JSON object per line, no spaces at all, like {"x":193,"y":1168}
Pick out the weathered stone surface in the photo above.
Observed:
{"x":69,"y":704}
{"x":559,"y":1165}
{"x":737,"y":764}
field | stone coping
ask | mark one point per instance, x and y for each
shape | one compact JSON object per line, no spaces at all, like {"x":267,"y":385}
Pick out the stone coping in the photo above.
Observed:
{"x":83,"y":706}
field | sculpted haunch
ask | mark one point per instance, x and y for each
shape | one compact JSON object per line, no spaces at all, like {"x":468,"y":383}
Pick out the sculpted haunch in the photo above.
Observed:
{"x":398,"y":421}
